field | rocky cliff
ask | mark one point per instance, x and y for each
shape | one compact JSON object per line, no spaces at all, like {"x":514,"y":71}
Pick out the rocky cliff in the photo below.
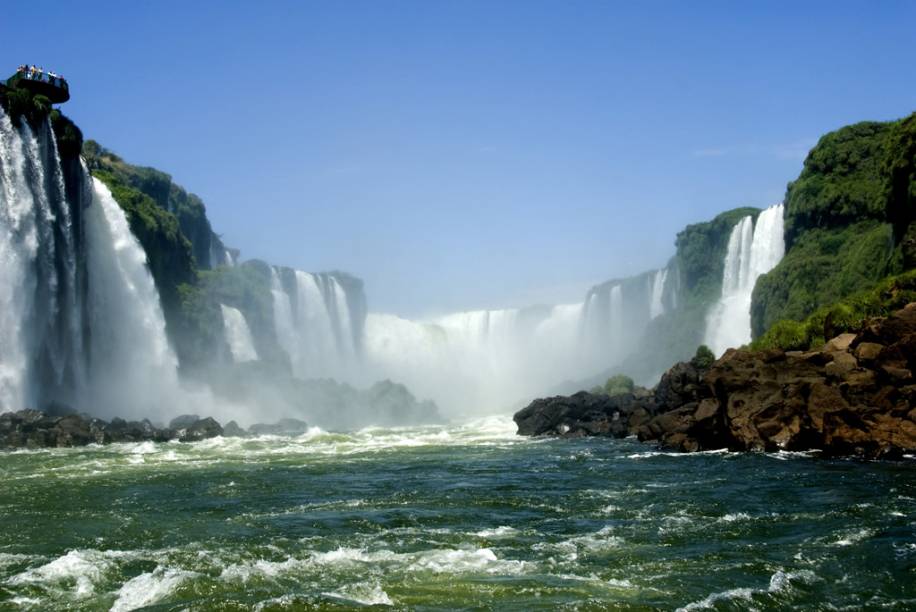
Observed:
{"x":856,"y":395}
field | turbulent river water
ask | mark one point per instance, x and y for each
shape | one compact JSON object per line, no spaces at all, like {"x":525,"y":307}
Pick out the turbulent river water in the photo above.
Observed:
{"x":466,"y":516}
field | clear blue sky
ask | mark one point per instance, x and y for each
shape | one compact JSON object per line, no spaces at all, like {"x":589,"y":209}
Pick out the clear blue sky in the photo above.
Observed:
{"x":462,"y":155}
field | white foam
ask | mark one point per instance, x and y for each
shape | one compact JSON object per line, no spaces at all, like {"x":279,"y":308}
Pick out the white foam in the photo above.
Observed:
{"x":83,"y":567}
{"x":780,"y":582}
{"x":149,"y":588}
{"x":854,"y":537}
{"x":502,"y":531}
{"x":363,"y":594}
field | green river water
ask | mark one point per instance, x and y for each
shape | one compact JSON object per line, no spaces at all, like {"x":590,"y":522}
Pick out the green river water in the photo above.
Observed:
{"x":451,"y":517}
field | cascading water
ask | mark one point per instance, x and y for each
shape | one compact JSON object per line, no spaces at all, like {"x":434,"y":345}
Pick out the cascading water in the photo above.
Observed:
{"x":40,"y":333}
{"x":313,"y":317}
{"x":238,"y":335}
{"x":656,"y":303}
{"x":132,"y":367}
{"x":478,"y":361}
{"x":752,"y":250}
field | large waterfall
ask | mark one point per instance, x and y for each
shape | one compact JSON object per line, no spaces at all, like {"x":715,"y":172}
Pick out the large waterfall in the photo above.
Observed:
{"x":133,"y":370}
{"x":753,"y":249}
{"x":80,"y":319}
{"x":41,"y":336}
{"x":477,"y":361}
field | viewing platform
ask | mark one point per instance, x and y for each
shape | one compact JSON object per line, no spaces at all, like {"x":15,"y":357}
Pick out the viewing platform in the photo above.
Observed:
{"x":39,"y":81}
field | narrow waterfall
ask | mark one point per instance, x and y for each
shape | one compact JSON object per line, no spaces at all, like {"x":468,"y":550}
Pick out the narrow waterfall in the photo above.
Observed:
{"x":133,"y":369}
{"x":753,"y":249}
{"x":656,"y":303}
{"x":238,"y":335}
{"x":314,"y":323}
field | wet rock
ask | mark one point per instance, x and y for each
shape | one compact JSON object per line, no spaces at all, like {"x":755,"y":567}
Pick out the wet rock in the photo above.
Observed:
{"x":202,"y":429}
{"x":584,"y":414}
{"x":232,"y":430}
{"x":184,"y":421}
{"x":283,"y":427}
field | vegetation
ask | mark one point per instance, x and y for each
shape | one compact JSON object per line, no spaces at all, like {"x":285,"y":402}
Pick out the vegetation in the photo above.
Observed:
{"x":187,"y":208}
{"x":846,"y":315}
{"x":847,"y":218}
{"x":824,"y":266}
{"x":703,"y":358}
{"x":841,"y":182}
{"x":615,"y":385}
{"x":900,"y":186}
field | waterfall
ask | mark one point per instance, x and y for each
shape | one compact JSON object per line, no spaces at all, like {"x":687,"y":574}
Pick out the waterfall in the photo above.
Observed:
{"x":477,"y":361}
{"x":656,"y":303}
{"x":133,"y":368}
{"x":41,"y":356}
{"x":314,"y":323}
{"x":238,"y":335}
{"x":752,"y":250}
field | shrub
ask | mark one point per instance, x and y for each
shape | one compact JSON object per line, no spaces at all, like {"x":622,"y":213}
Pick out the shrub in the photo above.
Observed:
{"x":703,"y":358}
{"x":618,"y":385}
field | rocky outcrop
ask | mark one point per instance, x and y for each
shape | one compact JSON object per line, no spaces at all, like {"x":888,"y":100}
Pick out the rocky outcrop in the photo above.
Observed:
{"x":585,"y":414}
{"x":854,"y":396}
{"x":34,"y":429}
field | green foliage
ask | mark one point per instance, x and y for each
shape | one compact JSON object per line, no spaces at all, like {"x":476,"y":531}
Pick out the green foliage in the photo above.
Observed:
{"x":187,"y":208}
{"x":823,"y":267}
{"x":847,"y":315}
{"x":615,"y":385}
{"x":701,"y":249}
{"x":18,"y":103}
{"x":900,"y":185}
{"x":704,"y":357}
{"x":841,"y":182}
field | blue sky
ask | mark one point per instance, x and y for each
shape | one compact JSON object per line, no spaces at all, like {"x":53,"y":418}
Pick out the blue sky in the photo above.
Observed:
{"x":461,"y":155}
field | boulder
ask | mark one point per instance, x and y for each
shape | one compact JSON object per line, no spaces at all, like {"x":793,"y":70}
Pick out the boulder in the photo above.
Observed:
{"x":283,"y":427}
{"x":585,"y":414}
{"x":184,"y":421}
{"x":232,"y":430}
{"x":202,"y":429}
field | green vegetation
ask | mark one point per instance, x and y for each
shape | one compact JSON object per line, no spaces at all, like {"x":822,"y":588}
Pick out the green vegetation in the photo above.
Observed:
{"x":841,"y":182}
{"x":846,"y":315}
{"x":703,"y":358}
{"x":823,"y":267}
{"x":187,"y":208}
{"x":847,"y":218}
{"x":701,"y":249}
{"x":615,"y":385}
{"x":900,"y":186}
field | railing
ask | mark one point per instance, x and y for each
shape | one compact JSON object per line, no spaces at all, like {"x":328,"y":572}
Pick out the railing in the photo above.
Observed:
{"x":43,"y":77}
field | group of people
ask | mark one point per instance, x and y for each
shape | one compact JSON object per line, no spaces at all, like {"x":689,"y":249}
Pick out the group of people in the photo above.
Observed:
{"x":37,"y":73}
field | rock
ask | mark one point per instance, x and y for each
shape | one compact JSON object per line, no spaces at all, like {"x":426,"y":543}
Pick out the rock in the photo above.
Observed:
{"x":283,"y":427}
{"x":232,"y":430}
{"x":868,"y":351}
{"x":584,"y":414}
{"x":201,"y":430}
{"x":184,"y":421}
{"x":853,"y":397}
{"x":840,"y":343}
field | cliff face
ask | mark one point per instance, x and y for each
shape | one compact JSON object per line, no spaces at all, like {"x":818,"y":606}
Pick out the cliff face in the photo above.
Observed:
{"x":846,"y":218}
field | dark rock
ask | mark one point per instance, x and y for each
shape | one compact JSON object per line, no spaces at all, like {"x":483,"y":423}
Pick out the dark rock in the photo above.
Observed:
{"x":585,"y":414}
{"x":232,"y":430}
{"x":283,"y":427}
{"x":184,"y":421}
{"x":201,"y":430}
